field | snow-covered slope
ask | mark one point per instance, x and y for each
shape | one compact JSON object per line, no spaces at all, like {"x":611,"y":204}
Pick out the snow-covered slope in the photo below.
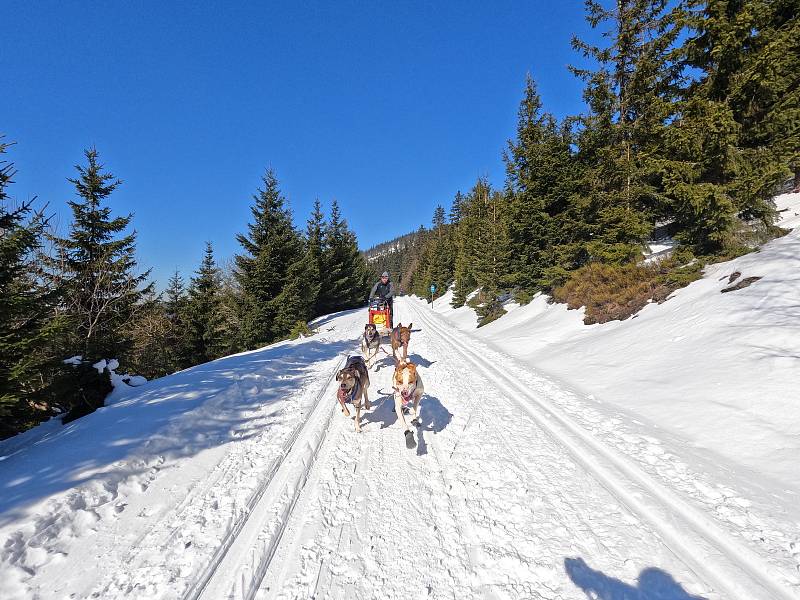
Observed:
{"x":712,"y":374}
{"x":158,"y":478}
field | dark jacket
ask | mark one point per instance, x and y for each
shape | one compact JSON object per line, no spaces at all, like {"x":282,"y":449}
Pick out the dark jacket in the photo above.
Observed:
{"x":382,"y":290}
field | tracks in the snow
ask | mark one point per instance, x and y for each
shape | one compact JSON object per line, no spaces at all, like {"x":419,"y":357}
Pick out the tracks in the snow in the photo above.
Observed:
{"x":708,"y":550}
{"x":239,"y":564}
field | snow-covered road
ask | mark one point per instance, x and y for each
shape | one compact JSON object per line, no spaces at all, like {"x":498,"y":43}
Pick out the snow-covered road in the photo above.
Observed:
{"x":507,"y":495}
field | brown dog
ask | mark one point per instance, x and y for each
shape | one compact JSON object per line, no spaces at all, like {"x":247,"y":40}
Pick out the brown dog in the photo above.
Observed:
{"x":408,"y":388}
{"x":400,"y":337}
{"x":353,"y":384}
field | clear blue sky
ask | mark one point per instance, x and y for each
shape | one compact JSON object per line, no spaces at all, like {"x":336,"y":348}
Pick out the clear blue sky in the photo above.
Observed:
{"x":389,"y":107}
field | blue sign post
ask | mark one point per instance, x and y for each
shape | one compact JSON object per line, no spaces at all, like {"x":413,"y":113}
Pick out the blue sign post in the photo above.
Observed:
{"x":433,"y":291}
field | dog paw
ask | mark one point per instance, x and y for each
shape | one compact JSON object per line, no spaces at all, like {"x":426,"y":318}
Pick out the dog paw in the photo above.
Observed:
{"x":346,"y":412}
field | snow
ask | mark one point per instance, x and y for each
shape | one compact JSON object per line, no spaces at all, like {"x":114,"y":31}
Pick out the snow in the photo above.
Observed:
{"x":711,"y":376}
{"x":648,"y":459}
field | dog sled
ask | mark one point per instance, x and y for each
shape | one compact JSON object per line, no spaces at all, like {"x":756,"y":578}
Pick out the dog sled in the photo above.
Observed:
{"x":380,"y":315}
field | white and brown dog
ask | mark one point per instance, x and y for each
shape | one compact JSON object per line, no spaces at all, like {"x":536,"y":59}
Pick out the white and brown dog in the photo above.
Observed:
{"x":408,"y":389}
{"x":353,"y":385}
{"x":370,"y":343}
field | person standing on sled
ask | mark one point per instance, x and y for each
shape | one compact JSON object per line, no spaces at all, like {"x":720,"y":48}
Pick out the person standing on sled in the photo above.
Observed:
{"x":384,"y":290}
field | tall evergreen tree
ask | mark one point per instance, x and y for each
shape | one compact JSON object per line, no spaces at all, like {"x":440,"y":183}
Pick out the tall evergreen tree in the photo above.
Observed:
{"x":27,"y":323}
{"x":96,"y":264}
{"x":296,"y":302}
{"x":271,"y":247}
{"x":541,"y":176}
{"x":455,"y":208}
{"x":733,"y":141}
{"x":437,"y":258}
{"x":345,"y":277}
{"x":176,"y":305}
{"x":629,"y":98}
{"x":205,"y":323}
{"x":315,"y":248}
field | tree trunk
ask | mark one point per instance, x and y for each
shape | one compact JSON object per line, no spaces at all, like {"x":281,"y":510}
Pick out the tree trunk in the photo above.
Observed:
{"x":796,"y":187}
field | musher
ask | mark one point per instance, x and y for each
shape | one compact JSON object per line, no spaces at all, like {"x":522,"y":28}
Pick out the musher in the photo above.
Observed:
{"x":384,"y":290}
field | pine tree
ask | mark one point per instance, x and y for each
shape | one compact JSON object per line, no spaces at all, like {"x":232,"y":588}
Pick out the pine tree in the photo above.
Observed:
{"x":205,"y":323}
{"x":629,"y":98}
{"x":296,"y":302}
{"x":175,"y":307}
{"x":27,"y":324}
{"x":271,"y":247}
{"x":345,"y":277}
{"x":764,"y":95}
{"x":455,"y":208}
{"x":315,"y":248}
{"x":436,"y":259}
{"x":735,"y":140}
{"x":97,"y":267}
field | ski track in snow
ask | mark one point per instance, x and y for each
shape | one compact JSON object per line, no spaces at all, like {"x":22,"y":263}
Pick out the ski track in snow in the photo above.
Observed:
{"x":517,"y":488}
{"x":768,"y":528}
{"x":538,"y":395}
{"x":489,"y":506}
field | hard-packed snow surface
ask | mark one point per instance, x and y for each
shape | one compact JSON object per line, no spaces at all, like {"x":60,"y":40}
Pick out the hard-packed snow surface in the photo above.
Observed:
{"x":608,"y":478}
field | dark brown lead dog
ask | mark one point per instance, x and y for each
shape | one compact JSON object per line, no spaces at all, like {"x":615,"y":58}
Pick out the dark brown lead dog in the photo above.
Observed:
{"x":353,"y":384}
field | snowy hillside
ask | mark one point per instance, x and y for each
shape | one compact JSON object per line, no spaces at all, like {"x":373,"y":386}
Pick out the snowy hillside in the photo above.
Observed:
{"x":713,"y":375}
{"x":647,"y":459}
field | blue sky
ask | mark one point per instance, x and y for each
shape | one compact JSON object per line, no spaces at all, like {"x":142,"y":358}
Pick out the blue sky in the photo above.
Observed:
{"x":389,"y":107}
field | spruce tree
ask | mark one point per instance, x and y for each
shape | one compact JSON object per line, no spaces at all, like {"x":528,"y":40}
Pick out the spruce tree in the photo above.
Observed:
{"x":436,"y":258}
{"x":27,"y":322}
{"x":455,"y":208}
{"x":735,"y":141}
{"x":175,"y":306}
{"x":296,"y":303}
{"x":345,"y":277}
{"x":96,"y":265}
{"x":271,"y":247}
{"x":629,"y":97}
{"x":315,"y":247}
{"x":205,"y":321}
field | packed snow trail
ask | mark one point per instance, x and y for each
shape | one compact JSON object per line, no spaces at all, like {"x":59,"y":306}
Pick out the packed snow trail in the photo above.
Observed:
{"x":489,"y":505}
{"x":252,"y":484}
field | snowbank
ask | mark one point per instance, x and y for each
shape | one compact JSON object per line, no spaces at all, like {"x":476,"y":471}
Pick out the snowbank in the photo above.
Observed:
{"x":716,"y":370}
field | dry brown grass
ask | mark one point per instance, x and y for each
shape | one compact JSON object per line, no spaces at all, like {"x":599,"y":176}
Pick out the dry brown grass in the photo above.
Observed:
{"x":614,"y":292}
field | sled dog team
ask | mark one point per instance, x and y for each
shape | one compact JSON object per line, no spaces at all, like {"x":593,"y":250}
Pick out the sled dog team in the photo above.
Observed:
{"x":406,"y":382}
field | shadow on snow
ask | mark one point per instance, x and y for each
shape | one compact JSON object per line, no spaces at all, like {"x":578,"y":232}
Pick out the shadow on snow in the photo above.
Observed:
{"x":229,"y":399}
{"x":652,"y":584}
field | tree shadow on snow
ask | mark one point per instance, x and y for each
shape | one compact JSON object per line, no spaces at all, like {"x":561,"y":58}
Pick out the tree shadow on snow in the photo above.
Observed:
{"x":652,"y":584}
{"x":230,"y":399}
